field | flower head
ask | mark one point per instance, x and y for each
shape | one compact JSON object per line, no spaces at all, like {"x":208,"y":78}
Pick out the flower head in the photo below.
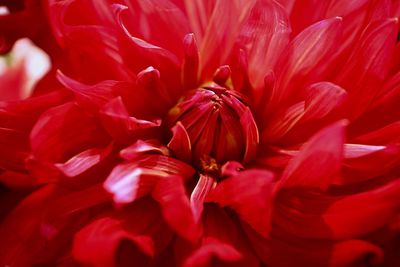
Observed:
{"x":203,"y":133}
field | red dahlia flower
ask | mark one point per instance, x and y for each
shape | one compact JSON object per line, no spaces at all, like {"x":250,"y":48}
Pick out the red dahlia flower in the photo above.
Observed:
{"x":203,"y":133}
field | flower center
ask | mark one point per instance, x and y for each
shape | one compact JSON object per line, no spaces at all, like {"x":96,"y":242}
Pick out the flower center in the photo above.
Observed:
{"x":217,"y":122}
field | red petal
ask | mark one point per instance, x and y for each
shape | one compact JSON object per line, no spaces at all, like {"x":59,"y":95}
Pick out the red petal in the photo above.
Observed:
{"x":369,"y":64}
{"x":363,"y":162}
{"x":264,"y":36}
{"x":249,"y":193}
{"x":123,"y":127}
{"x":321,"y":99}
{"x":213,"y":252}
{"x":199,"y":194}
{"x":305,"y":59}
{"x":384,"y":135}
{"x":83,"y":161}
{"x":191,"y":62}
{"x":251,"y":135}
{"x":221,"y":33}
{"x":310,"y":215}
{"x":21,"y":240}
{"x":130,"y":181}
{"x":289,"y":251}
{"x":160,"y":29}
{"x":140,"y":148}
{"x":149,"y":51}
{"x":55,"y":136}
{"x":180,"y":143}
{"x":99,"y":244}
{"x":175,"y":205}
{"x":318,"y":162}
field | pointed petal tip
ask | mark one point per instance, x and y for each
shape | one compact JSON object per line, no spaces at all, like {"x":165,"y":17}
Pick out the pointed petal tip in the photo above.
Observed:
{"x":148,"y":75}
{"x":190,"y":46}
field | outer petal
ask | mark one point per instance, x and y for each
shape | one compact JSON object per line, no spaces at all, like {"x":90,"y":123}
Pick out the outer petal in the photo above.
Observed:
{"x":134,"y":235}
{"x":249,"y":193}
{"x":124,"y":128}
{"x":369,"y":64}
{"x":55,"y":135}
{"x":101,"y":244}
{"x":175,"y":205}
{"x":318,"y":162}
{"x":130,"y":181}
{"x":264,"y":36}
{"x":21,"y":241}
{"x":284,"y":251}
{"x":222,"y":30}
{"x":324,"y":216}
{"x":305,"y":58}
